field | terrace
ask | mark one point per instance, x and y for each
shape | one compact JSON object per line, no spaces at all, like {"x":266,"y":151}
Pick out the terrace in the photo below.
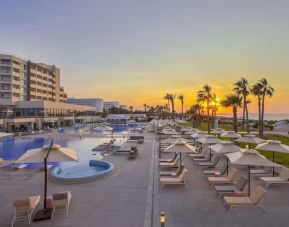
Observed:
{"x":132,"y":196}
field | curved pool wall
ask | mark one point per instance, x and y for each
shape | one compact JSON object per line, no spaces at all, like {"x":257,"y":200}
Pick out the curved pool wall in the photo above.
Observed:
{"x":82,"y":173}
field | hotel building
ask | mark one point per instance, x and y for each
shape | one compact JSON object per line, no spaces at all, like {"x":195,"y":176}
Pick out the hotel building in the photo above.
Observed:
{"x":94,"y":102}
{"x":109,"y":105}
{"x":24,"y":80}
{"x":124,"y":107}
{"x":30,"y":93}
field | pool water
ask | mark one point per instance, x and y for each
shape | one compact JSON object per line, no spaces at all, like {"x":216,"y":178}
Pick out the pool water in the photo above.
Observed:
{"x":80,"y":171}
{"x":117,"y":128}
{"x":14,"y":148}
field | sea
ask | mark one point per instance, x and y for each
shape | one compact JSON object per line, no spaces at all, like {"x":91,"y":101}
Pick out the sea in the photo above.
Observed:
{"x":268,"y":117}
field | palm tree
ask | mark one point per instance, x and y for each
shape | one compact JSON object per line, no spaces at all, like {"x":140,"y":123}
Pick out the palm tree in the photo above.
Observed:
{"x":214,"y":107}
{"x":256,"y":90}
{"x":145,"y":107}
{"x":205,"y":95}
{"x":241,"y":87}
{"x":233,"y":101}
{"x":181,"y":98}
{"x":131,"y":109}
{"x":262,"y":89}
{"x":194,"y":112}
{"x":199,"y":110}
{"x":160,"y":110}
{"x":167,"y":97}
{"x":151,"y":109}
{"x":172,"y":99}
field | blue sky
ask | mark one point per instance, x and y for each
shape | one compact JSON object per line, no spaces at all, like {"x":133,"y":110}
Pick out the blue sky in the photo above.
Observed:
{"x":136,"y":51}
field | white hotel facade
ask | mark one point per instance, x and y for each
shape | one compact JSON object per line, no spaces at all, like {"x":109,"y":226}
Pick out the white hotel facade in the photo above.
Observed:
{"x":93,"y":102}
{"x":31,"y":94}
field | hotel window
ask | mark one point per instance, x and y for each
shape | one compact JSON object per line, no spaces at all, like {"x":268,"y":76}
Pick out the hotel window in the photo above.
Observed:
{"x":6,"y":61}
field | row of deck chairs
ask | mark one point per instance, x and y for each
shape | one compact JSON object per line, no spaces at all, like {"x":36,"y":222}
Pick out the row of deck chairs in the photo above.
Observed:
{"x":227,"y":185}
{"x":171,"y":171}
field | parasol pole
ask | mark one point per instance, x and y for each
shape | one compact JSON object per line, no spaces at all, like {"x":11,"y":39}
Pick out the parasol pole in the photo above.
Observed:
{"x":249,"y":175}
{"x":45,"y":173}
{"x":45,"y":213}
{"x":273,"y":161}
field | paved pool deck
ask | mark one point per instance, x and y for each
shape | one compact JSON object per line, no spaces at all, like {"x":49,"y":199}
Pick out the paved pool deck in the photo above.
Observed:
{"x":132,"y":197}
{"x":117,"y":200}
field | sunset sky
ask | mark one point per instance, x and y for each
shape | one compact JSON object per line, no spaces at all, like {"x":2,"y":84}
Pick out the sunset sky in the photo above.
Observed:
{"x":136,"y":51}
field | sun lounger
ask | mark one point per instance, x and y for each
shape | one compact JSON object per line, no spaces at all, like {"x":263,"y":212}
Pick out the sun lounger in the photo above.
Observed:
{"x":121,"y":151}
{"x":172,"y":173}
{"x":181,"y":179}
{"x":24,"y":208}
{"x":213,"y":162}
{"x":200,"y":155}
{"x":61,"y":202}
{"x":283,"y":178}
{"x":133,"y":154}
{"x":261,"y":172}
{"x":205,"y":158}
{"x":173,"y":164}
{"x":254,"y":200}
{"x":18,"y":167}
{"x":168,"y":160}
{"x":224,"y":180}
{"x":217,"y":171}
{"x":238,"y":187}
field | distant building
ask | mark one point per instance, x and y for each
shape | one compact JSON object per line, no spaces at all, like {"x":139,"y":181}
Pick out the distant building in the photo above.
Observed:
{"x":94,"y":102}
{"x":124,"y":107}
{"x":124,"y":118}
{"x":24,"y":80}
{"x":109,"y":105}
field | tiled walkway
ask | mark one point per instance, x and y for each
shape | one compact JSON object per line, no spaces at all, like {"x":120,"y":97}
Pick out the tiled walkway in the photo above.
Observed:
{"x":199,"y":205}
{"x":131,"y":197}
{"x":117,"y":200}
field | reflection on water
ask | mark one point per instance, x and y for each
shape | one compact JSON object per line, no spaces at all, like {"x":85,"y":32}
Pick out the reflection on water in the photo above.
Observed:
{"x":12,"y":149}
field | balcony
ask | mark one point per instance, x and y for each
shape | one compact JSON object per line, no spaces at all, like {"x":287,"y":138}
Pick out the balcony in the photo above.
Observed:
{"x":5,"y":81}
{"x":17,"y":74}
{"x":5,"y":72}
{"x":9,"y":64}
{"x":5,"y":89}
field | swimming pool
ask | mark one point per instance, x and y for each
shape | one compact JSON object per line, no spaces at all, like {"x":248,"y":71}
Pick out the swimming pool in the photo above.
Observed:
{"x":82,"y":173}
{"x":13,"y":148}
{"x":117,"y":128}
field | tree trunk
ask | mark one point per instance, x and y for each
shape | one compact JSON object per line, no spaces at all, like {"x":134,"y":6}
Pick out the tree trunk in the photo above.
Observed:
{"x":235,"y":119}
{"x":198,"y":118}
{"x":247,"y":119}
{"x":173,"y":109}
{"x":208,"y":116}
{"x":244,"y":108}
{"x":182,"y":109}
{"x":169,"y":109}
{"x":212,"y":126}
{"x":262,"y":117}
